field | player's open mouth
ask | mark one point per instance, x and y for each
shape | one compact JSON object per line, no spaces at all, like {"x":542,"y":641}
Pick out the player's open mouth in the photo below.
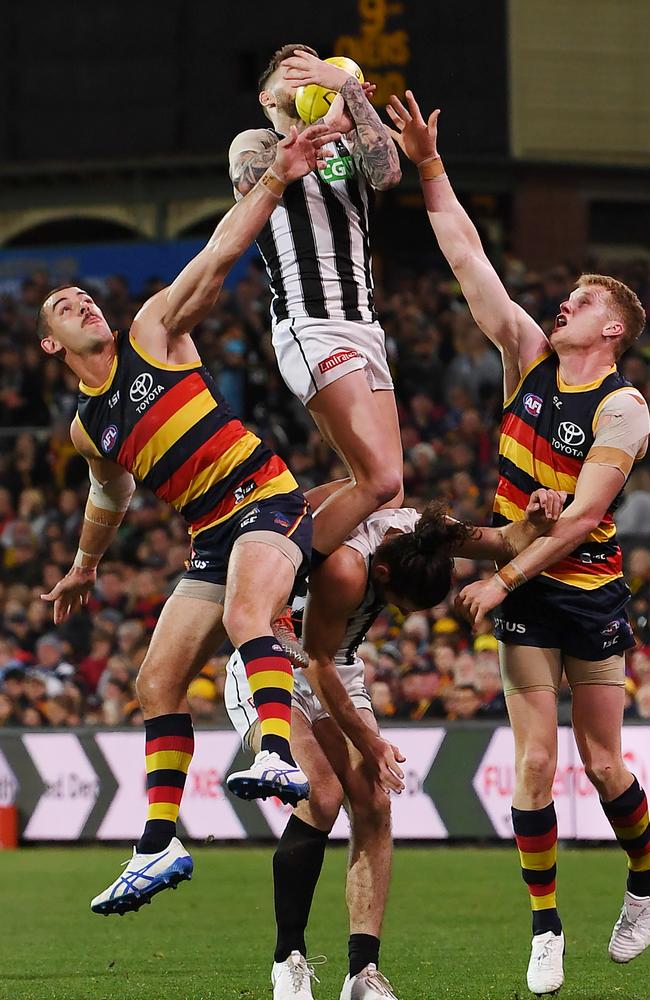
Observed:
{"x":560,"y":320}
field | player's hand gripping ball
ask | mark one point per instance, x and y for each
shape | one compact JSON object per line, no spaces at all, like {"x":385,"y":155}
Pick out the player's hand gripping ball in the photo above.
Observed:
{"x":313,"y":102}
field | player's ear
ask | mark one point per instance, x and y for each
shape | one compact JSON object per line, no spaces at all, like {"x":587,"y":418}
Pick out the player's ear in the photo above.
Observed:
{"x":381,"y":573}
{"x":613,"y":329}
{"x":50,"y":345}
{"x":266,"y":99}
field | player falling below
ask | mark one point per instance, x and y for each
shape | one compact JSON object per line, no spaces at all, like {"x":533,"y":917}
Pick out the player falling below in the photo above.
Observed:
{"x":571,"y":421}
{"x":394,"y":556}
{"x":330,"y":348}
{"x":149,"y":410}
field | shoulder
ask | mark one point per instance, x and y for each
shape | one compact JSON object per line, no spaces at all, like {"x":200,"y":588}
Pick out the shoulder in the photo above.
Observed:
{"x":341,"y":580}
{"x":252,"y":140}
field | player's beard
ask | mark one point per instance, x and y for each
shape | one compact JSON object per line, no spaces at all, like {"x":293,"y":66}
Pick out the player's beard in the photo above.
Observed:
{"x":286,"y":105}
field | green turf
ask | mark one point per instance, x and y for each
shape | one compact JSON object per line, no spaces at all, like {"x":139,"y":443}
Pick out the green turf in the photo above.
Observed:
{"x":457,"y":927}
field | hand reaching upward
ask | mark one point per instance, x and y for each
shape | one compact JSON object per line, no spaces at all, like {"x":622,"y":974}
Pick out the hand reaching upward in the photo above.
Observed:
{"x":415,"y":137}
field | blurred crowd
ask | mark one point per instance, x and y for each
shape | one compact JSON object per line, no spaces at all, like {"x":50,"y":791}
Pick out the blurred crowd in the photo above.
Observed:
{"x":448,"y":382}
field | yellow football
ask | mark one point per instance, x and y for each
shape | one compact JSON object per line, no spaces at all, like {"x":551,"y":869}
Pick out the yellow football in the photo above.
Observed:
{"x":313,"y":102}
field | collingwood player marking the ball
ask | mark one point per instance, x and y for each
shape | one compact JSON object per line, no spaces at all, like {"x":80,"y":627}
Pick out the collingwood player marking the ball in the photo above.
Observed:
{"x":570,"y":422}
{"x":329,"y":345}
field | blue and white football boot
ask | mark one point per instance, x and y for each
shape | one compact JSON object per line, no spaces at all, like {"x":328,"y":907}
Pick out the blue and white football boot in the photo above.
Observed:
{"x":268,"y":776}
{"x":143,"y":877}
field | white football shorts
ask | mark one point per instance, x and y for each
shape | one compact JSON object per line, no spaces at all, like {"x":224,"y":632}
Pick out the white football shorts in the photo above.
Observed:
{"x":241,"y":708}
{"x":312,"y":353}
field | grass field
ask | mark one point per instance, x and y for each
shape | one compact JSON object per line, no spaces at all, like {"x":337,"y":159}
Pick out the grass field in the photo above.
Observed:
{"x":457,"y":928}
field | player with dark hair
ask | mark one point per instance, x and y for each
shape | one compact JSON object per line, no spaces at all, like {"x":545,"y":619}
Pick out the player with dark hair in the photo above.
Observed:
{"x":571,"y":421}
{"x":330,"y":347}
{"x":395,"y":556}
{"x":150,"y":411}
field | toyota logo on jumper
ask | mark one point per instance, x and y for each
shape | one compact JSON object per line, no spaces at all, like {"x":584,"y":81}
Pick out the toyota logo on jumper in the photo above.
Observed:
{"x":140,"y":387}
{"x":570,"y":433}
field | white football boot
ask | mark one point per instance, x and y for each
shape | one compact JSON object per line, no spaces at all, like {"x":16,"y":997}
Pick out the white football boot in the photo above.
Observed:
{"x":546,"y":967}
{"x":631,"y":934}
{"x":292,"y":978}
{"x":369,"y":984}
{"x":269,"y":775}
{"x":143,"y":877}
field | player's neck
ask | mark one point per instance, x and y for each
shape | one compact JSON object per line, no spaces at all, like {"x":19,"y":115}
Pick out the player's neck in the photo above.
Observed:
{"x":93,"y":369}
{"x":283,"y":123}
{"x":583,"y":367}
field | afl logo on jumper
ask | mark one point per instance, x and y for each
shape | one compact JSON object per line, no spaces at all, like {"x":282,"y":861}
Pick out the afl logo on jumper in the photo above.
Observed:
{"x":570,"y":433}
{"x":611,"y":629}
{"x":141,"y":387}
{"x":109,"y":437}
{"x":533,"y":404}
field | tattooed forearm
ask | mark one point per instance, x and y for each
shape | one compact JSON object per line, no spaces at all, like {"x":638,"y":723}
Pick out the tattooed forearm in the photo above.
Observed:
{"x":372,"y":144}
{"x":249,"y":167}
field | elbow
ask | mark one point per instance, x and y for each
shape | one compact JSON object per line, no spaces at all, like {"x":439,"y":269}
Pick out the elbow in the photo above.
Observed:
{"x":388,"y":180}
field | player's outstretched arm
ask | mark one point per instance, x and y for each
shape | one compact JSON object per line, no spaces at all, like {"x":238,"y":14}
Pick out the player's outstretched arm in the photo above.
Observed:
{"x":596,"y":488}
{"x":191,"y":296}
{"x":520,"y":339}
{"x":336,"y":590}
{"x":111,"y":489}
{"x":502,"y":544}
{"x":373,"y":148}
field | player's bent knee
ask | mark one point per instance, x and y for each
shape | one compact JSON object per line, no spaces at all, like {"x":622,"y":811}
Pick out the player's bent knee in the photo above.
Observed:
{"x":370,"y":811}
{"x":536,"y":768}
{"x":155,"y":694}
{"x":603,"y":771}
{"x":322,"y":808}
{"x":243,"y":621}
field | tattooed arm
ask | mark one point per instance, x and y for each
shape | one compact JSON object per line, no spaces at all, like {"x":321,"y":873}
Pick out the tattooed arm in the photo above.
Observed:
{"x":251,"y":153}
{"x":372,"y":147}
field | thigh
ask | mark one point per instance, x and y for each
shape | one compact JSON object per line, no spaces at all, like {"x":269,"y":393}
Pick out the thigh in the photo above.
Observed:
{"x":361,"y":424}
{"x":260,"y":577}
{"x":597,"y":717}
{"x":188,"y":633}
{"x":531,"y":680}
{"x":529,"y":668}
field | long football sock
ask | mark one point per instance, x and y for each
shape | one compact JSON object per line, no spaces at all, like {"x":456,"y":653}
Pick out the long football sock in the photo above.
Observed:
{"x":362,"y":950}
{"x":628,"y":816}
{"x":297,"y":864}
{"x":168,"y":752}
{"x":536,"y":836}
{"x":270,"y":677}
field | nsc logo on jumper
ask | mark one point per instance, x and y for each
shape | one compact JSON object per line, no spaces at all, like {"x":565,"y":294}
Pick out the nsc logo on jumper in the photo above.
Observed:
{"x":533,"y":404}
{"x":143,"y":391}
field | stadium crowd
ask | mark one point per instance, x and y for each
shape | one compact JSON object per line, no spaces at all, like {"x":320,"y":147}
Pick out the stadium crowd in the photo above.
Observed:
{"x":448,"y":381}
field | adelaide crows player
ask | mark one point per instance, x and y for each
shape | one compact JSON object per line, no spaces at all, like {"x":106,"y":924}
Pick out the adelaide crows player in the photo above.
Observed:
{"x":150,"y":411}
{"x":571,"y":422}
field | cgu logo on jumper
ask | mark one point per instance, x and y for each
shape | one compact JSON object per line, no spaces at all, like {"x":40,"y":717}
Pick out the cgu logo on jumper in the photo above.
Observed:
{"x":338,"y":168}
{"x":143,"y":391}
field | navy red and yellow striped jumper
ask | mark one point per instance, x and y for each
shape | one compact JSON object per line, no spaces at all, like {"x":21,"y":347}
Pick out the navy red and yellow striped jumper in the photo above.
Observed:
{"x":172,"y":429}
{"x":548,"y":428}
